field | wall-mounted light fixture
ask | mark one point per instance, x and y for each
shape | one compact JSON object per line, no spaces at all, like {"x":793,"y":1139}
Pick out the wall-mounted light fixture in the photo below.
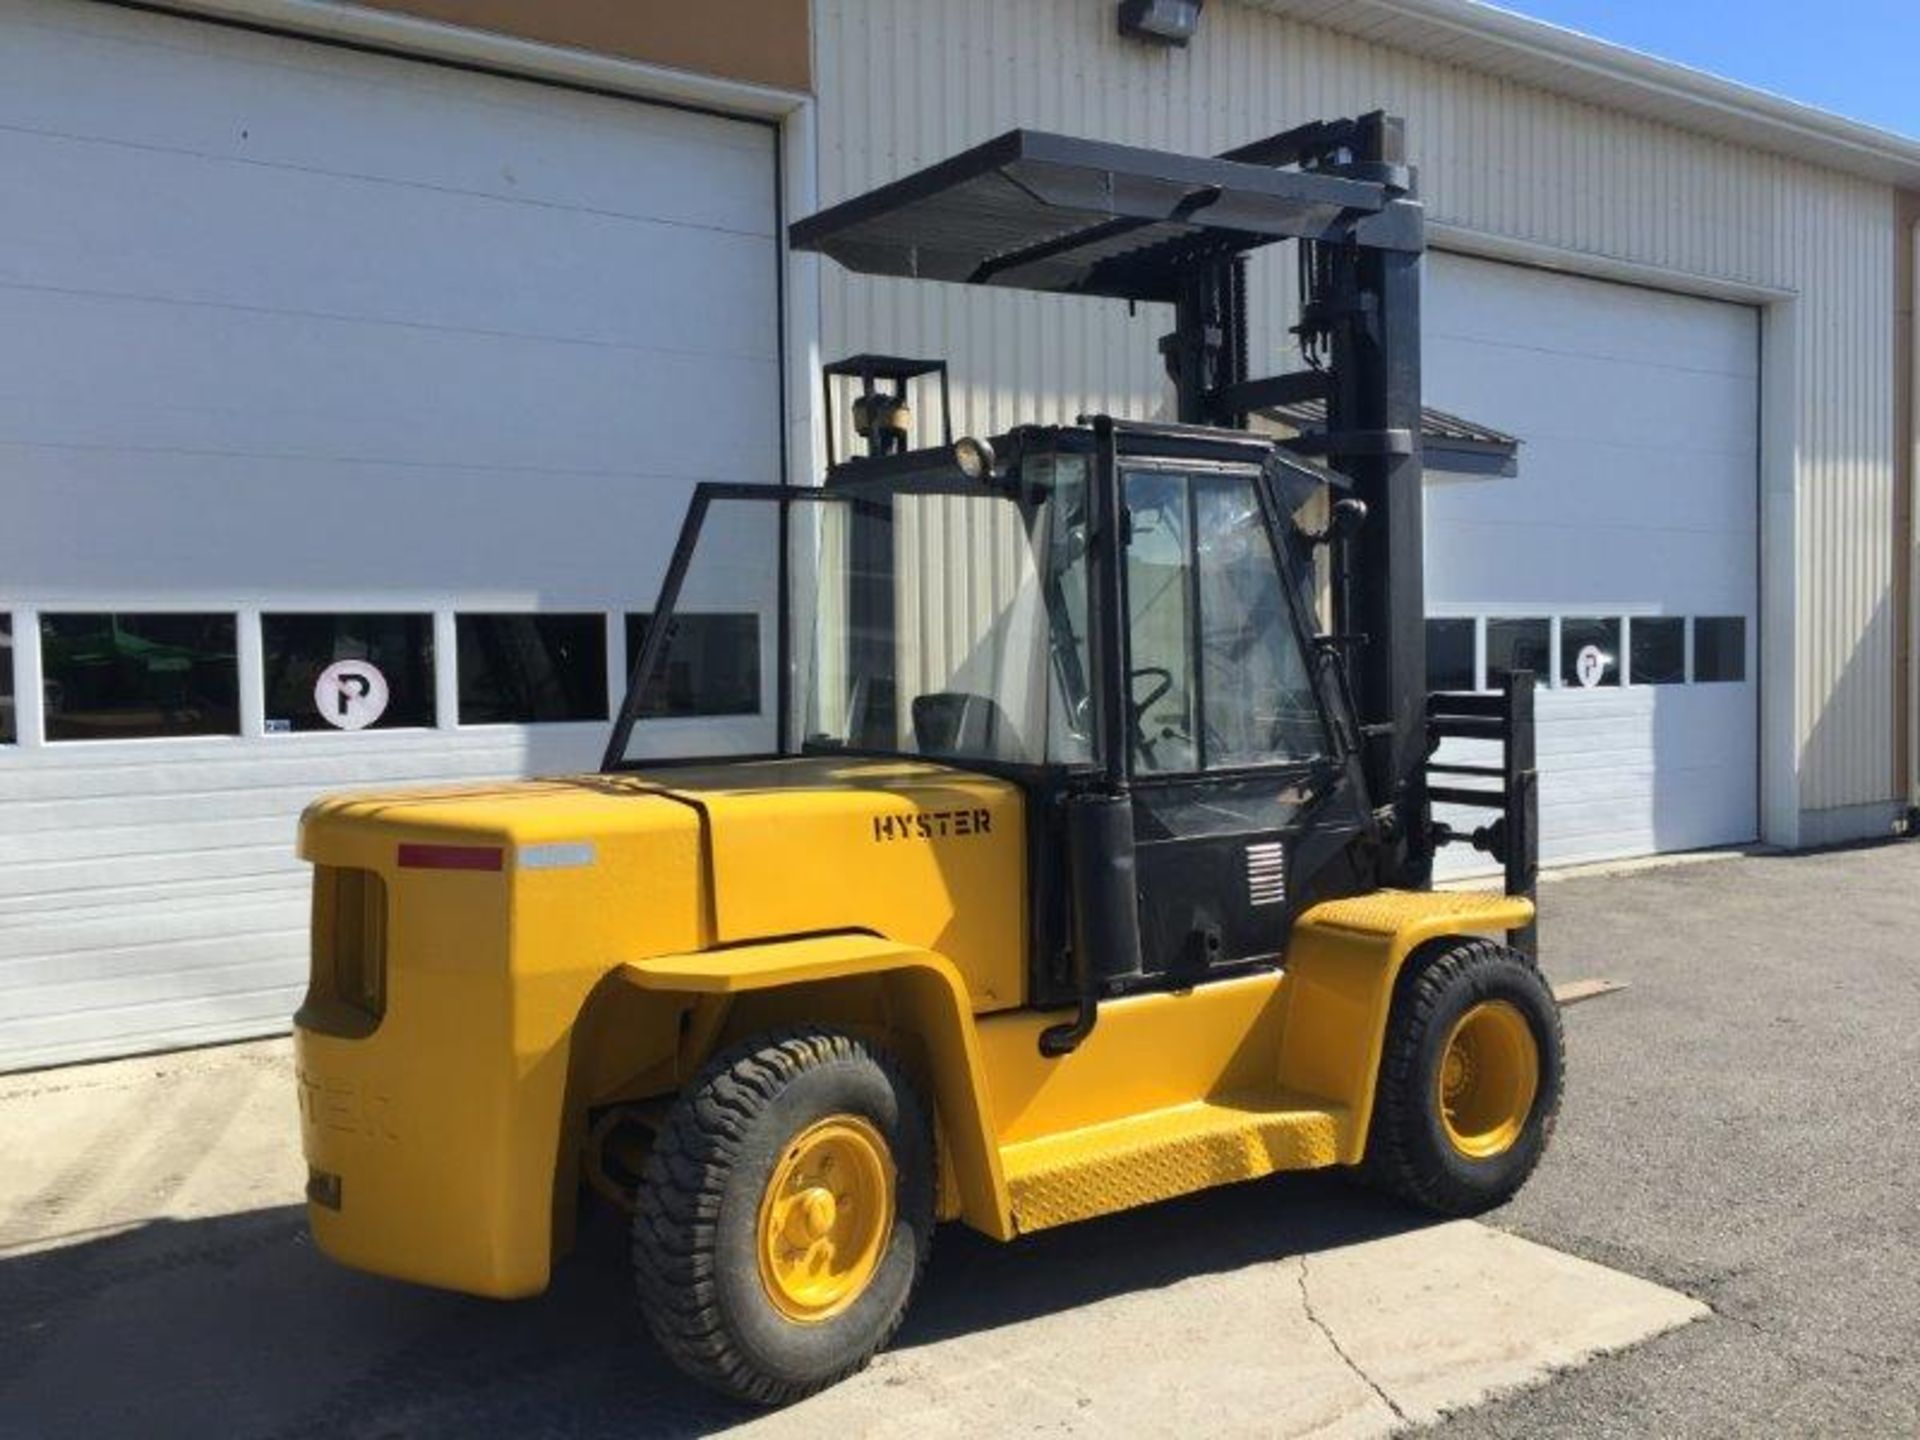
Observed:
{"x":1160,"y":22}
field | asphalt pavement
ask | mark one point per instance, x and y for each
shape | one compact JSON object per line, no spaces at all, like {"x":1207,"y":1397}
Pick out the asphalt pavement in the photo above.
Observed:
{"x":1741,"y":1123}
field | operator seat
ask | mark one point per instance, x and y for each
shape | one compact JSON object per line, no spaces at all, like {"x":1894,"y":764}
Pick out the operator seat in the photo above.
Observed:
{"x":958,"y":723}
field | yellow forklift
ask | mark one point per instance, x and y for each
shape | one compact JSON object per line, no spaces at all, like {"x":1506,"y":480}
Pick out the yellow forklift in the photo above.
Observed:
{"x":1071,"y":863}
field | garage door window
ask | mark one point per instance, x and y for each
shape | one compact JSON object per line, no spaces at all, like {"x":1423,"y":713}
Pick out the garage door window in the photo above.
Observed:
{"x":1589,"y":652}
{"x":1519,"y":645}
{"x":1719,"y":648}
{"x":124,"y":676}
{"x":712,"y":666}
{"x":1450,"y":655}
{"x":527,"y":669}
{"x":297,"y":648}
{"x":7,"y":731}
{"x":1658,"y":650}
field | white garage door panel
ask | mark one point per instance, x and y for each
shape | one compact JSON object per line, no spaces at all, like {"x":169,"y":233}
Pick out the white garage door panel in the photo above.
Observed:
{"x":213,"y":1012}
{"x":227,"y":771}
{"x":1572,"y":397}
{"x":561,"y":540}
{"x":1568,"y":319}
{"x":287,"y":325}
{"x":91,"y":942}
{"x":310,"y":229}
{"x":1694,"y":492}
{"x":1638,"y":415}
{"x":115,"y":977}
{"x":1538,"y":563}
{"x":80,"y":71}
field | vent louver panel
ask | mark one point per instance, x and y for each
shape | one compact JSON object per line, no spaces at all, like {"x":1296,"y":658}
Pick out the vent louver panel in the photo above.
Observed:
{"x":1267,"y":874}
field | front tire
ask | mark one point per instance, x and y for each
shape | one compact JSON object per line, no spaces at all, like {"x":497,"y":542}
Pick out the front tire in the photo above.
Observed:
{"x":1470,"y":1079}
{"x":784,"y":1215}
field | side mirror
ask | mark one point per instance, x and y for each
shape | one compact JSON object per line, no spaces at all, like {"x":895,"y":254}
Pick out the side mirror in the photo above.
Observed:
{"x":1347,"y":518}
{"x":1343,"y":522}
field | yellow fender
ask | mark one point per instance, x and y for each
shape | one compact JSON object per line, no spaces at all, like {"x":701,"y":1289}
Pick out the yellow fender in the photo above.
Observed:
{"x":1342,"y":962}
{"x":925,"y":997}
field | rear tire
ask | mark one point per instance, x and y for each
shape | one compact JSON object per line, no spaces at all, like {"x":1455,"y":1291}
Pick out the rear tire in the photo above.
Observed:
{"x":784,"y":1215}
{"x":1470,"y":1079}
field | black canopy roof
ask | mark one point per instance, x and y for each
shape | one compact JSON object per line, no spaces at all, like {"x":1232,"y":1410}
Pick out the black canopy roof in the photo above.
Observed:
{"x":1449,"y":442}
{"x":1036,"y":211}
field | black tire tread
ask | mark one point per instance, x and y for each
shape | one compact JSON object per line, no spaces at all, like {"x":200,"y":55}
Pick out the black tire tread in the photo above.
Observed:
{"x":686,"y":1173}
{"x":1392,"y":1160}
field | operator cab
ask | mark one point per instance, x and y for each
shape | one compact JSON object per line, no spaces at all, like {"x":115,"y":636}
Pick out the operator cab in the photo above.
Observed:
{"x":950,"y":605}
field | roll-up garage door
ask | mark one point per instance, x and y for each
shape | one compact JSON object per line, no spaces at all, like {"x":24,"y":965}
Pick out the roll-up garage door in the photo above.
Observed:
{"x":308,"y":354}
{"x":1621,"y":562}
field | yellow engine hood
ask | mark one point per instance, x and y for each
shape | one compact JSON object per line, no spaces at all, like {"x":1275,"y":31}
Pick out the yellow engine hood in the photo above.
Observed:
{"x":921,"y":853}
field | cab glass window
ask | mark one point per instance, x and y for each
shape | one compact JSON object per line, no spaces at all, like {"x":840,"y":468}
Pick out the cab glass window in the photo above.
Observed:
{"x":941,"y":623}
{"x":712,"y":665}
{"x":1258,"y":704}
{"x":1217,"y":674}
{"x":1063,"y":480}
{"x":1160,"y":623}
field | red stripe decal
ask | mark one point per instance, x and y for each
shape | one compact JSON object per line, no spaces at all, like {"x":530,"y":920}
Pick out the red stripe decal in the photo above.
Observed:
{"x":452,"y":857}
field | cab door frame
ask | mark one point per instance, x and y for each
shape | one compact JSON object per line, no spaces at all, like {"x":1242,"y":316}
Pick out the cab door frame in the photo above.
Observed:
{"x":1214,"y":843}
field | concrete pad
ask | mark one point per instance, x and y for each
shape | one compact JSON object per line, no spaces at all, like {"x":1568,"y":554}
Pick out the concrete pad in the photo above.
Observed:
{"x":1440,"y":1318}
{"x":155,"y":1275}
{"x":1204,"y":1356}
{"x":1352,"y":1341}
{"x":94,"y":1149}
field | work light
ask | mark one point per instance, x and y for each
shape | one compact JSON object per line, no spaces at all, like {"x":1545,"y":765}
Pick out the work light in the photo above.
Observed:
{"x":1160,"y":22}
{"x":974,"y":457}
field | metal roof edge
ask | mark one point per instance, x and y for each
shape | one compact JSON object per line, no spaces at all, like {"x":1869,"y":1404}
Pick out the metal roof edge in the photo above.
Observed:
{"x":1637,"y":82}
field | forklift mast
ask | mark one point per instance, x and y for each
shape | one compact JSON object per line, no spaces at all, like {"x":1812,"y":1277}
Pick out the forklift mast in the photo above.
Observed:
{"x":1050,"y":213}
{"x":1359,"y":329}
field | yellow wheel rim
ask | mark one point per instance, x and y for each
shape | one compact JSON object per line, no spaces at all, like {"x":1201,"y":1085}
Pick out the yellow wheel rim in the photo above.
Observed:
{"x":826,"y":1218}
{"x":1489,"y":1075}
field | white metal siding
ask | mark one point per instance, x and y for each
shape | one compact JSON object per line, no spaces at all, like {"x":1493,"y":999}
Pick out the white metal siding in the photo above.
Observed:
{"x":286,"y":326}
{"x":905,"y":82}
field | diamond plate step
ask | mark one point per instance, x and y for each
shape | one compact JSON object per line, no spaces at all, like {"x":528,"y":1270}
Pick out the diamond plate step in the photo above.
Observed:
{"x":1115,"y":1166}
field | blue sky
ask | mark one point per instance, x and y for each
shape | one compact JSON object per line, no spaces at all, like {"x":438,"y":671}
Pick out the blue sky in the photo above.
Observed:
{"x":1858,"y":58}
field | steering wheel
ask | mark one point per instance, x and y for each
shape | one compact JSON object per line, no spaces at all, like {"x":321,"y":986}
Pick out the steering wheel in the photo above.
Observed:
{"x":1141,"y":743}
{"x":1165,"y":677}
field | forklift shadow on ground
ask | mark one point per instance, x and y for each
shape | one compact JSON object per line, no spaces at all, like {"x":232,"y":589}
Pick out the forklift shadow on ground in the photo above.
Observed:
{"x":236,"y":1325}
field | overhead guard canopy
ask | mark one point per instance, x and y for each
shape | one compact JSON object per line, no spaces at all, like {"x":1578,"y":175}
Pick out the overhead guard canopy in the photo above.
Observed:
{"x":1036,"y":211}
{"x":1448,"y":442}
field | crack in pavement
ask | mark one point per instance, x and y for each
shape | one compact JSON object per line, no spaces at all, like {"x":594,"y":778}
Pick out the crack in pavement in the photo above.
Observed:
{"x":1313,"y":1319}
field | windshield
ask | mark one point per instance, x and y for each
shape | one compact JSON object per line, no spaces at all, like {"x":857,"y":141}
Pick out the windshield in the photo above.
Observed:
{"x":948,"y":624}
